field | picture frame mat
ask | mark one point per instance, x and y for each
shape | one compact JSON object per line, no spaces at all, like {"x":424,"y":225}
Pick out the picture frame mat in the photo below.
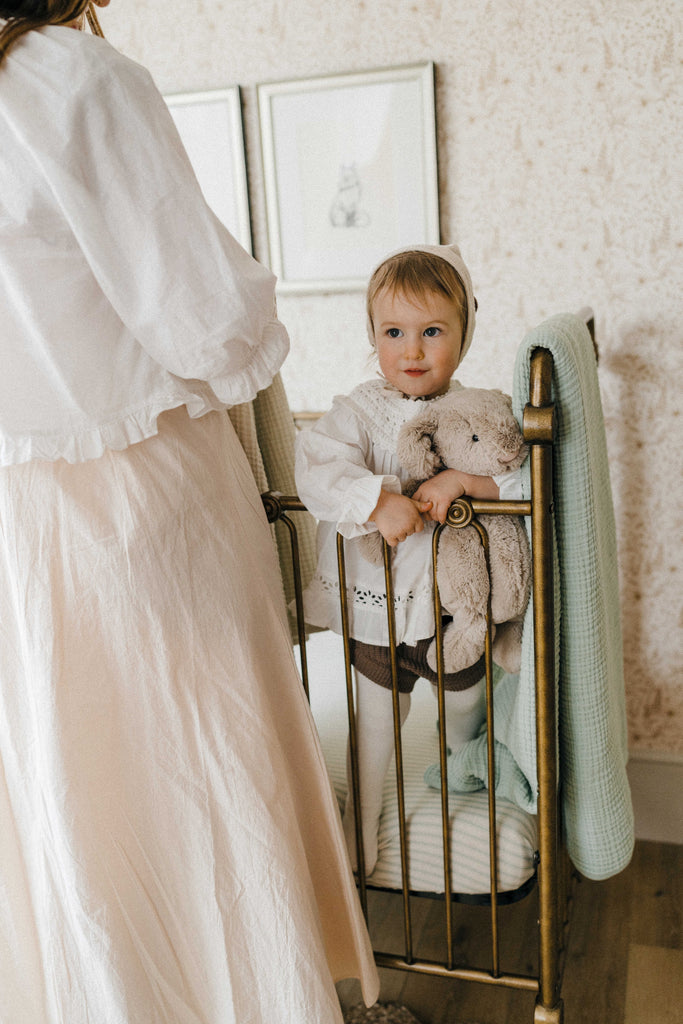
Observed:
{"x":210,"y":126}
{"x":386,"y":121}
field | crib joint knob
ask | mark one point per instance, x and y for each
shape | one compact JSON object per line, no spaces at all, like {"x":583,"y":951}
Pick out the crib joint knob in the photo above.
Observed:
{"x":539,"y":424}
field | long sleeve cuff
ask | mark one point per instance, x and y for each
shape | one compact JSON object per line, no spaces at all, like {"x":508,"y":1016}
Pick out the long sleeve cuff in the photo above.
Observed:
{"x":355,"y":515}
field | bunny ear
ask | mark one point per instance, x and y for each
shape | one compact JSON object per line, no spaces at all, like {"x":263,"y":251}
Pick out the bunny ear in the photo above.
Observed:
{"x":415,"y":446}
{"x":502,"y":394}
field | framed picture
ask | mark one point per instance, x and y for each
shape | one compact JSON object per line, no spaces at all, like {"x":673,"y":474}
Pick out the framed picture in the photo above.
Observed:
{"x":350,"y":173}
{"x":210,"y":126}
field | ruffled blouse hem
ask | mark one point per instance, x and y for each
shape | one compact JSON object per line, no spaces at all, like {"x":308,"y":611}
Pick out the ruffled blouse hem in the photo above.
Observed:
{"x":92,"y":444}
{"x":199,"y":397}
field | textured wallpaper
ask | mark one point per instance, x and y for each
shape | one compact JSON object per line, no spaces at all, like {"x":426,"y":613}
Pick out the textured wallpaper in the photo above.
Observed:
{"x":559,"y":129}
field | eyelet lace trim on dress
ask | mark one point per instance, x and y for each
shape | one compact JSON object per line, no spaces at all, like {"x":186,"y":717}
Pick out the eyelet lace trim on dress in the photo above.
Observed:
{"x":362,"y":597}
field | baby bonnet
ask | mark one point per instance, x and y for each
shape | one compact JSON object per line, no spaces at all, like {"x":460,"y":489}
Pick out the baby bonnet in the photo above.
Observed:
{"x":450,"y":253}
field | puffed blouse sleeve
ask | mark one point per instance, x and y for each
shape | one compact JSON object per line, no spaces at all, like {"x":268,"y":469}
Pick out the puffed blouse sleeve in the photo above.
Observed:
{"x":178,"y":280}
{"x":333,"y":474}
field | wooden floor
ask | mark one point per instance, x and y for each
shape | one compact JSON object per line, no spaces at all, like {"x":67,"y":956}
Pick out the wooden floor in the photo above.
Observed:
{"x":624,"y":961}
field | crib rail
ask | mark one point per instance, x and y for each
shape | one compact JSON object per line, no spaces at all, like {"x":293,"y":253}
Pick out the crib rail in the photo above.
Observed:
{"x":538,"y":428}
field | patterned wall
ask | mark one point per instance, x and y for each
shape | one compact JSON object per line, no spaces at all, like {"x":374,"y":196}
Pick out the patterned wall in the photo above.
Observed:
{"x":560,"y":160}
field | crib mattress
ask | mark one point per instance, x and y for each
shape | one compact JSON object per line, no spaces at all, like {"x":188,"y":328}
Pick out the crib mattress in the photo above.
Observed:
{"x":470,"y":872}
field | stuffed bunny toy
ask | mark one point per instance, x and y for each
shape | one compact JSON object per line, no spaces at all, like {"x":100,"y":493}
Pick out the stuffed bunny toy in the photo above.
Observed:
{"x":473,"y":430}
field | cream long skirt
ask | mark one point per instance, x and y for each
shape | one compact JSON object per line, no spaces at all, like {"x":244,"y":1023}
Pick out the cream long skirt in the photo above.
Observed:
{"x":170,"y":848}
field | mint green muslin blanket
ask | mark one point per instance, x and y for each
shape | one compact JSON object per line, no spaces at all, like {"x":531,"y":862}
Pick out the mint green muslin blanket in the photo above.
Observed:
{"x":596,"y":802}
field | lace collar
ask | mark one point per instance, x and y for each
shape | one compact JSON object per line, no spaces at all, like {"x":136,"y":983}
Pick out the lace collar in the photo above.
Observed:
{"x":383,"y":409}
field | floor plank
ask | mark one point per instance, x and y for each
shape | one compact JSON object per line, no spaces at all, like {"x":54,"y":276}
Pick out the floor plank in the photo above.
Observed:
{"x":618,"y":927}
{"x":654,"y":990}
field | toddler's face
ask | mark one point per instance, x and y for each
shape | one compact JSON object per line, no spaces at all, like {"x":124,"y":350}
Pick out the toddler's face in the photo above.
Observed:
{"x":418,"y":341}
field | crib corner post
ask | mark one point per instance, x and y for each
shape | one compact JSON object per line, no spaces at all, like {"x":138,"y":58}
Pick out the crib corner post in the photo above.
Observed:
{"x":545,"y":1015}
{"x":539,"y":432}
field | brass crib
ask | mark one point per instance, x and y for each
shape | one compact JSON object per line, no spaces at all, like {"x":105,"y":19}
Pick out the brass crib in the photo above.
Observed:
{"x":553,"y":870}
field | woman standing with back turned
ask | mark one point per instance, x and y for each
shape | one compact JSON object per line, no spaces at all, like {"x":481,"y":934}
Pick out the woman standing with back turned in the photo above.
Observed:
{"x":170,"y":848}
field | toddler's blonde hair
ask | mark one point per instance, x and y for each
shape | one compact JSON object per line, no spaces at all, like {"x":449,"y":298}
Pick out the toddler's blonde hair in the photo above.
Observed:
{"x":415,"y":273}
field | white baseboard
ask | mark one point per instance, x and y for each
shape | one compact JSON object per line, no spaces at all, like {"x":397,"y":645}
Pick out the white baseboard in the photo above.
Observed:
{"x":657,"y":790}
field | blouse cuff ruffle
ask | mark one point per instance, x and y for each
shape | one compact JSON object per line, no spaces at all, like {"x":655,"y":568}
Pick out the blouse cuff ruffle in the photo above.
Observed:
{"x":265,"y":359}
{"x":133,"y":426}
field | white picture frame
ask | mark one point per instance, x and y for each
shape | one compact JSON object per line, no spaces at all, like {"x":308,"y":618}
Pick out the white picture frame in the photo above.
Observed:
{"x":210,"y":126}
{"x":350,"y":173}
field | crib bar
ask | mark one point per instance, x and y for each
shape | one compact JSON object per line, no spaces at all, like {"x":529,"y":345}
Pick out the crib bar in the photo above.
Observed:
{"x":298,"y":598}
{"x":491,"y":764}
{"x":398,"y":753}
{"x":443,"y":752}
{"x":461,"y":514}
{"x":497,"y":508}
{"x":353,"y":732}
{"x":539,"y":417}
{"x":276,"y":506}
{"x":435,"y":969}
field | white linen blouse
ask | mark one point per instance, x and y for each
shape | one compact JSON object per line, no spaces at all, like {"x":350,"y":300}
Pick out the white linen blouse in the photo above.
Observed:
{"x":342,"y":463}
{"x":122,"y":295}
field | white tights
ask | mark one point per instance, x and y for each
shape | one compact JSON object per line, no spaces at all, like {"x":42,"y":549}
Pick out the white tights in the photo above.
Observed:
{"x":465,"y":711}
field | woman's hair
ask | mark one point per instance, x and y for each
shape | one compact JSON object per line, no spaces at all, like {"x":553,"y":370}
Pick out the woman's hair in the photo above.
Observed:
{"x":415,"y":274}
{"x":24,"y":15}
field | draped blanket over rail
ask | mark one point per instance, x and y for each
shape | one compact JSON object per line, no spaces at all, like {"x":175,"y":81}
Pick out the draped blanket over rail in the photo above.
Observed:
{"x":595,"y":797}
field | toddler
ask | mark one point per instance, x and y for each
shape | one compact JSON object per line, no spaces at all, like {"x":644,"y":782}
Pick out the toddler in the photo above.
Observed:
{"x":421,"y":312}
